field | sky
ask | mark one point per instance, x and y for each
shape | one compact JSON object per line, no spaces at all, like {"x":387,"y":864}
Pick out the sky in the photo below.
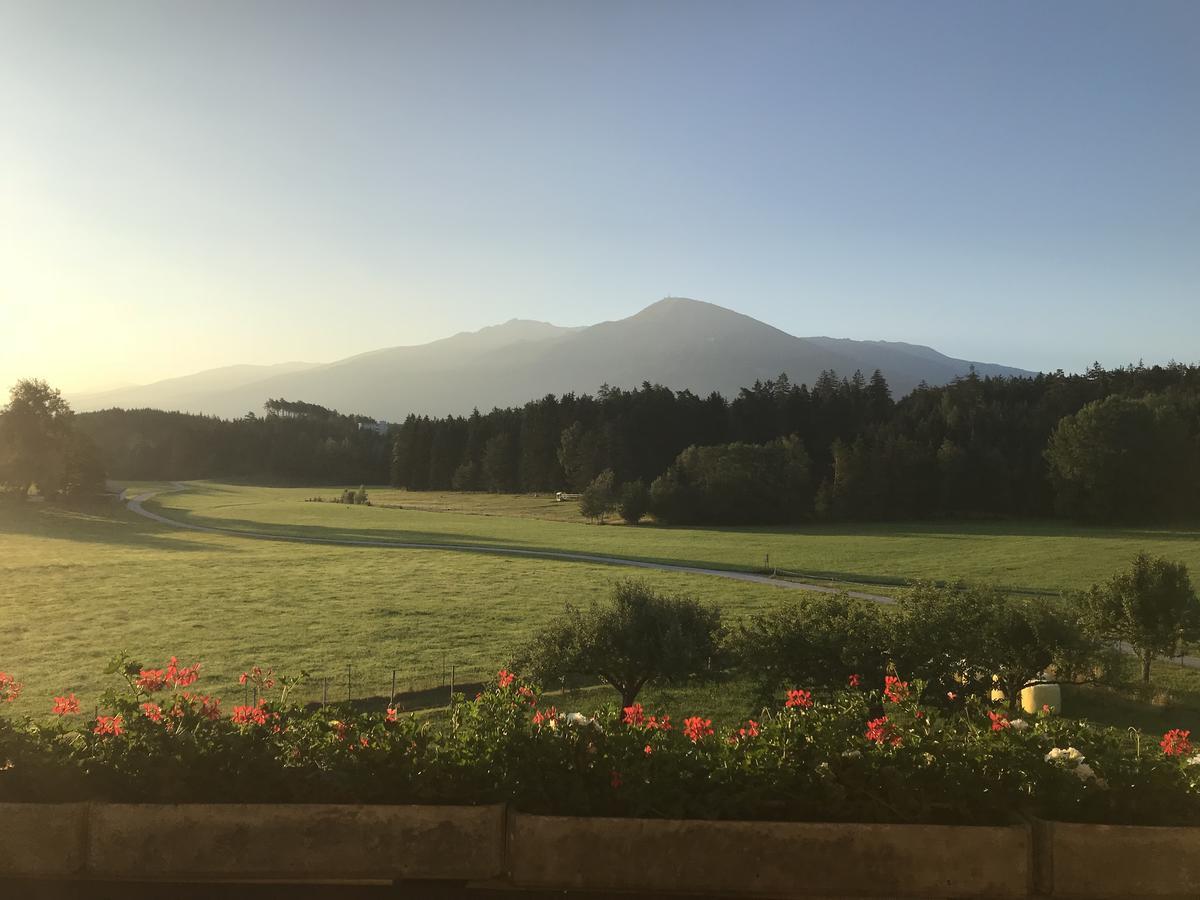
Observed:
{"x":192,"y":185}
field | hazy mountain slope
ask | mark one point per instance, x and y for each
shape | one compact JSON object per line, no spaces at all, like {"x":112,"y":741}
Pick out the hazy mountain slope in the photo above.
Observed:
{"x":198,"y":387}
{"x":677,"y":342}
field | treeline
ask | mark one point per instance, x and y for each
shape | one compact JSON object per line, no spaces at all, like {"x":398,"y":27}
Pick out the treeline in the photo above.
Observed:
{"x":1109,"y":444}
{"x":292,"y":442}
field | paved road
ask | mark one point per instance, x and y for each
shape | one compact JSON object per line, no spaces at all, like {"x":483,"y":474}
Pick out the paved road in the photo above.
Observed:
{"x":135,"y":505}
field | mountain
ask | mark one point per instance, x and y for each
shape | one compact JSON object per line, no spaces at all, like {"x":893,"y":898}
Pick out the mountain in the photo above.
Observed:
{"x":677,"y":342}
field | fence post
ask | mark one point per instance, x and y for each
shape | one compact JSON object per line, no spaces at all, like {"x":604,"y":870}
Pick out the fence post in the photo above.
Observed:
{"x":349,"y":697}
{"x":324,"y":692}
{"x":451,"y":694}
{"x":393,"y":685}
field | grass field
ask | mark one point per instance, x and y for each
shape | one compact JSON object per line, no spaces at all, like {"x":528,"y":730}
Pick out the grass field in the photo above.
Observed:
{"x":76,"y":587}
{"x":1029,"y":555}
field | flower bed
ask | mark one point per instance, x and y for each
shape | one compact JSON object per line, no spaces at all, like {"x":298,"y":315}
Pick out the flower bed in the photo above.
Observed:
{"x":856,"y":755}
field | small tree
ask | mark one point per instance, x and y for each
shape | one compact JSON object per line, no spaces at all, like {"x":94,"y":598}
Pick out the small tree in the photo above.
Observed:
{"x":637,"y":637}
{"x":598,"y":498}
{"x":361,"y":496}
{"x":35,"y":429}
{"x":1152,"y":607}
{"x":634,"y":502}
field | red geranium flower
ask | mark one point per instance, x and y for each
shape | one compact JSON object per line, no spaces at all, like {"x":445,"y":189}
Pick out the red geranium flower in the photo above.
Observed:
{"x":894,"y":689}
{"x":696,"y":728}
{"x":853,"y":681}
{"x":800,"y":698}
{"x":634,"y":715}
{"x":881,"y":732}
{"x":152,"y":711}
{"x":108,"y":725}
{"x":999,"y":721}
{"x":504,"y":678}
{"x":66,"y":706}
{"x":1175,"y":742}
{"x":10,"y":688}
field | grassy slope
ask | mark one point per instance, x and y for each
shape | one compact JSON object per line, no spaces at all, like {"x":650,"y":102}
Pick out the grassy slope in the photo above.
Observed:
{"x":1037,"y":555}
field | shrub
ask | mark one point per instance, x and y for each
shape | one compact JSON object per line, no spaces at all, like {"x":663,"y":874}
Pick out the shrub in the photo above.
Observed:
{"x":634,"y":502}
{"x":598,"y":499}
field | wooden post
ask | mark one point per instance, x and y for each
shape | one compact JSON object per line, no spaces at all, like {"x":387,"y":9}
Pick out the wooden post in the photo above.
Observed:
{"x":451,"y":695}
{"x":393,"y":685}
{"x":348,"y":695}
{"x":324,"y":692}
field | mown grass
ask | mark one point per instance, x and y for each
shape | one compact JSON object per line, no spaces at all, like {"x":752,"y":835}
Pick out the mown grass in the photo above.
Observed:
{"x":1044,"y":556}
{"x":77,"y":587}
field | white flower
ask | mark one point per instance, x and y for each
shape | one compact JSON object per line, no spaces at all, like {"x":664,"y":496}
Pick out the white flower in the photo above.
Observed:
{"x":1018,"y":724}
{"x":1065,"y":756}
{"x":1084,"y":771}
{"x":1192,"y":760}
{"x":852,"y":754}
{"x":576,"y":719}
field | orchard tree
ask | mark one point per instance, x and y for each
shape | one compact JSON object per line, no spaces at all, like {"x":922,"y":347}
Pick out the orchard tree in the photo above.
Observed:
{"x":638,"y":637}
{"x":1151,"y":607}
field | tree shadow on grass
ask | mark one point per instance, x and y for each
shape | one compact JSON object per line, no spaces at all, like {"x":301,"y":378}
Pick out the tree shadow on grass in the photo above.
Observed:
{"x":100,"y":525}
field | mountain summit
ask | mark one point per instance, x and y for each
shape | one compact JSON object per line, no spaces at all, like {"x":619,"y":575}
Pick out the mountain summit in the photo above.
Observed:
{"x":677,"y":342}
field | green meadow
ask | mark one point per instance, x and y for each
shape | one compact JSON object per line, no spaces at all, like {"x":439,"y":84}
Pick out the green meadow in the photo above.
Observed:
{"x":1014,"y":554}
{"x":76,"y":586}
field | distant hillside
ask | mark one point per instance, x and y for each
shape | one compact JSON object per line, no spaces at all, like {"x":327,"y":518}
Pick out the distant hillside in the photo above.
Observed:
{"x":680,"y":343}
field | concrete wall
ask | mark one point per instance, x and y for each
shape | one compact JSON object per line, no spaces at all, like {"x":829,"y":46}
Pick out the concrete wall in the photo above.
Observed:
{"x":316,"y":842}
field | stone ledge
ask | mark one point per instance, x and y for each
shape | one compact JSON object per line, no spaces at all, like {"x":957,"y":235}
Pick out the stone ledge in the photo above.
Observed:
{"x":774,"y":859}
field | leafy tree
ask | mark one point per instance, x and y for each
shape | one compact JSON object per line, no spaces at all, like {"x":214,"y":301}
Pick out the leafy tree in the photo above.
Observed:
{"x":634,"y":502}
{"x":1151,"y":607}
{"x":638,"y":637}
{"x":1112,"y":460}
{"x":500,"y":463}
{"x":360,"y":496}
{"x":816,"y":640}
{"x":35,"y":433}
{"x":598,"y":498}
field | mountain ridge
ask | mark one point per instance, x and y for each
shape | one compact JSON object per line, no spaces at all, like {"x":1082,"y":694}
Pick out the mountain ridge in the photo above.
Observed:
{"x":678,"y":342}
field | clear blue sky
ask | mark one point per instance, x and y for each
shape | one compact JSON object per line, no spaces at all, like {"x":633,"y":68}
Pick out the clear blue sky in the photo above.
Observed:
{"x":185,"y":185}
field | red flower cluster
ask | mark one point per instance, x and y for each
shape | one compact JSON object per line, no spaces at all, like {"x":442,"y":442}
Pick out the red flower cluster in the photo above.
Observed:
{"x":257,"y":676}
{"x":151,"y":680}
{"x":250,"y":715}
{"x":654,"y":723}
{"x":894,"y":689}
{"x":999,"y":721}
{"x":853,"y":681}
{"x":10,"y":688}
{"x":108,"y":725}
{"x":648,"y":750}
{"x":504,"y":678}
{"x":392,"y":714}
{"x":210,"y":707}
{"x":800,"y":698}
{"x":750,"y":730}
{"x":527,"y":692}
{"x":635,"y":715}
{"x":548,"y":716}
{"x":881,"y":732}
{"x":152,"y":711}
{"x":696,"y":728}
{"x":66,"y":706}
{"x":1175,"y":742}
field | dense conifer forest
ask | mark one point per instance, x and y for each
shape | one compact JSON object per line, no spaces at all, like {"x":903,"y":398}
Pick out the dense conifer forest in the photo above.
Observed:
{"x":1107,"y":445}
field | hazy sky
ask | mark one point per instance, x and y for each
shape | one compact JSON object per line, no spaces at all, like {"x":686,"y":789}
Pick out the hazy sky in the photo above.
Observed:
{"x":187,"y":185}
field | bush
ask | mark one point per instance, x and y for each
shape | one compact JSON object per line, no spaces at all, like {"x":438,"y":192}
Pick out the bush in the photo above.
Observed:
{"x":853,"y":755}
{"x":634,"y":502}
{"x":598,"y":500}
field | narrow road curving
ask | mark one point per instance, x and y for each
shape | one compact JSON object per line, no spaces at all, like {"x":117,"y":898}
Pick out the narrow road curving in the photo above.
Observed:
{"x":135,"y":505}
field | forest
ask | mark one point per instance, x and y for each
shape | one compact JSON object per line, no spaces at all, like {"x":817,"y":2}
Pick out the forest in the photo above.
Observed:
{"x":1112,"y":445}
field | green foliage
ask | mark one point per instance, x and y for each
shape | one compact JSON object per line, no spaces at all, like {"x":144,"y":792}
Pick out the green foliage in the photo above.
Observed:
{"x":40,"y":446}
{"x":735,"y":483}
{"x":633,"y":502}
{"x":640,"y":636}
{"x":1120,"y":459}
{"x":852,"y":755}
{"x":598,"y":498}
{"x":816,"y":639}
{"x":1152,"y":607}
